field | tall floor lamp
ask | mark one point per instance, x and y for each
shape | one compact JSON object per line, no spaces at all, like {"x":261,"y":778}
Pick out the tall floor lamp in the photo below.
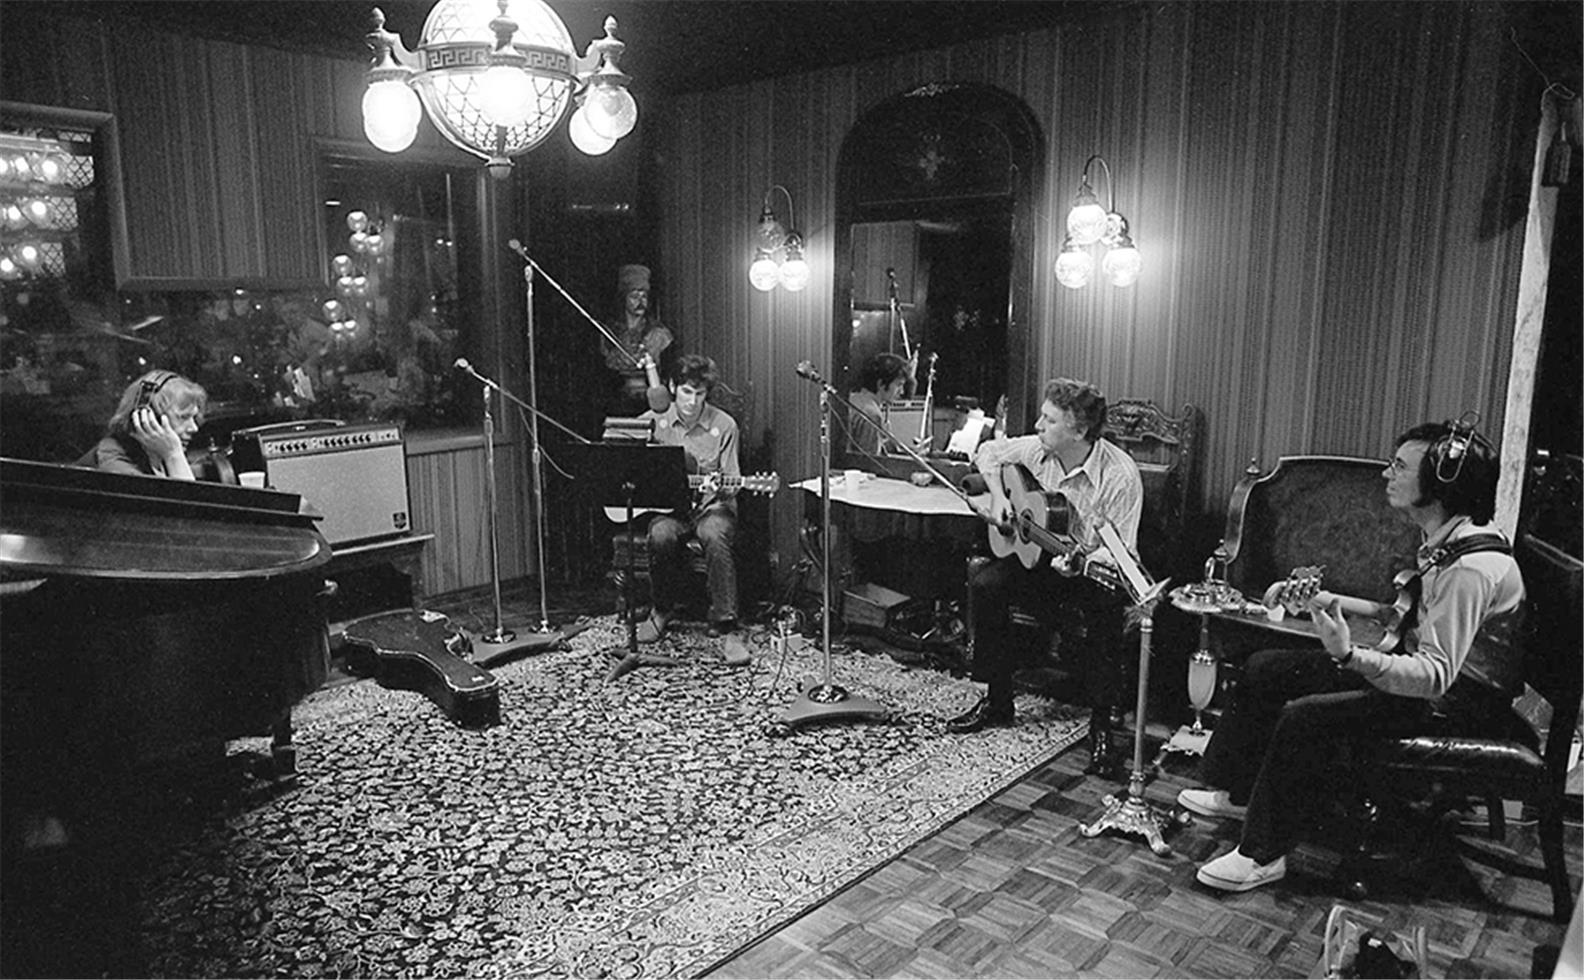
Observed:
{"x":497,"y":88}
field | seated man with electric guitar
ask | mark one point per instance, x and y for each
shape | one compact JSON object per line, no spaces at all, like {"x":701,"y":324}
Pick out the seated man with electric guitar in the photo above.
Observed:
{"x":1450,"y":669}
{"x":1051,"y":492}
{"x":710,"y":437}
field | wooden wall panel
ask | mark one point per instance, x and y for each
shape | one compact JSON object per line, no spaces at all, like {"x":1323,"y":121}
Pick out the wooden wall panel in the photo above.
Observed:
{"x":449,"y":497}
{"x":1328,"y":198}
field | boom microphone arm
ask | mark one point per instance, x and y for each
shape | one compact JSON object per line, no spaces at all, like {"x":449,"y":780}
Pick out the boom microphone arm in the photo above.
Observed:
{"x":467,"y":368}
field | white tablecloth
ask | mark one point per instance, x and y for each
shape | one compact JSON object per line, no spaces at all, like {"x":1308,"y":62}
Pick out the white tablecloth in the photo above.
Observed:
{"x":881,"y":493}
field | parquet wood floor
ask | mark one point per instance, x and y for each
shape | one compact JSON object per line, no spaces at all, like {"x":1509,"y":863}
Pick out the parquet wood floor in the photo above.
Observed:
{"x":1013,"y":890}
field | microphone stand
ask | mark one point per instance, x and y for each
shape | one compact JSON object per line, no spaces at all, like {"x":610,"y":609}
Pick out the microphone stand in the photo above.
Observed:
{"x":497,"y":645}
{"x":826,"y":700}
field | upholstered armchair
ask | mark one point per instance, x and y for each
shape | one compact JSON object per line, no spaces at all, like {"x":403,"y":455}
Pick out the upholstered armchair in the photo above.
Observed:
{"x":1529,"y":763}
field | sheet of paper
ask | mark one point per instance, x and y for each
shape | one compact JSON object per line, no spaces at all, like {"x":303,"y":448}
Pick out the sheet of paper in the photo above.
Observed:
{"x":966,"y":439}
{"x":1138,"y":582}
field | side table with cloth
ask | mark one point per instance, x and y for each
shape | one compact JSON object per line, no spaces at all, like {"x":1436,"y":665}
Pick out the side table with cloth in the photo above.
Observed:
{"x":908,"y":538}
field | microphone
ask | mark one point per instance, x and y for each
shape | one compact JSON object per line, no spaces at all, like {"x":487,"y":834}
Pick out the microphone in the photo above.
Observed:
{"x":516,"y":246}
{"x":462,"y":364}
{"x":659,"y":399}
{"x":891,"y":286}
{"x":805,"y":370}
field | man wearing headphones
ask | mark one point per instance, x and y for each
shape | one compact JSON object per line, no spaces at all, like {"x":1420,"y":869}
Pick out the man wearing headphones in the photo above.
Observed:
{"x":1454,"y":672}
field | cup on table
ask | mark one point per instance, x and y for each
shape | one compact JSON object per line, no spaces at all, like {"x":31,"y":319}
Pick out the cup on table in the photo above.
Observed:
{"x":251,"y":479}
{"x":853,"y":478}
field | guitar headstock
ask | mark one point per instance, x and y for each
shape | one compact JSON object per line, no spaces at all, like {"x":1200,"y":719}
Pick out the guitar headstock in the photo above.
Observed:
{"x":1294,"y":592}
{"x":762,"y":483}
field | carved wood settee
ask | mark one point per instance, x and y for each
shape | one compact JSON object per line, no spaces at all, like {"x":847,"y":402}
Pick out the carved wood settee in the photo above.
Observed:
{"x":1310,"y":510}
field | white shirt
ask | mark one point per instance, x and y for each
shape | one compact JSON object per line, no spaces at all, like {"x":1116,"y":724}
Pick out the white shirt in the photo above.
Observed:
{"x":1106,"y":486}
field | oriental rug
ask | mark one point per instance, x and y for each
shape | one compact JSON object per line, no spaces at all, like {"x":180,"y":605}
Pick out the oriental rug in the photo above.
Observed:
{"x":648,"y":826}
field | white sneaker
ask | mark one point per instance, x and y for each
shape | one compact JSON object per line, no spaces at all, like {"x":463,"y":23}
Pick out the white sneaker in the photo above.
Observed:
{"x":1211,"y":803}
{"x":1232,"y":872}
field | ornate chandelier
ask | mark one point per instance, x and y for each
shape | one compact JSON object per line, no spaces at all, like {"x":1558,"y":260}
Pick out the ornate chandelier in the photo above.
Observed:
{"x":496,"y":77}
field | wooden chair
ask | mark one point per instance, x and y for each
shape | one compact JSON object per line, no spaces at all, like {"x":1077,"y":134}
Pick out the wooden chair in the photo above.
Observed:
{"x":1169,"y":457}
{"x":1528,"y":764}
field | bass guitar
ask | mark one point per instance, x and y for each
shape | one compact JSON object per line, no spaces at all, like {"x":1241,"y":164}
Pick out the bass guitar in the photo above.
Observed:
{"x":1292,"y":595}
{"x":703,"y":483}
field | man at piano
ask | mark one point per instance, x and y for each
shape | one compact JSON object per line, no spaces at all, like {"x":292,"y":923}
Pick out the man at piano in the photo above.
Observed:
{"x":1453,"y":672}
{"x":709,"y":437}
{"x":881,"y":382}
{"x":148,"y":434}
{"x":1100,"y":482}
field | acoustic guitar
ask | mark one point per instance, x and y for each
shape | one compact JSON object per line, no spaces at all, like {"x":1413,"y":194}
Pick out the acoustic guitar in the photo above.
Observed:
{"x":1039,"y":521}
{"x":702,"y":483}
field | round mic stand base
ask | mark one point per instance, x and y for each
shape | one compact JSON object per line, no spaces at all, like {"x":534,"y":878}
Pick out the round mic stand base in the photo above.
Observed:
{"x":496,"y":647}
{"x":828,"y":702}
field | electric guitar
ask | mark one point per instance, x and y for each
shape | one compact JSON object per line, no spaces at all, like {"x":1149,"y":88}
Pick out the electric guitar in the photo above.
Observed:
{"x":702,"y":483}
{"x":1292,"y":595}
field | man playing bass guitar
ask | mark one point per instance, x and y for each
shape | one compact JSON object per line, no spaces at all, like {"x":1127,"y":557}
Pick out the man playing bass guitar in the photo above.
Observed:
{"x":1454,"y":671}
{"x":1101,"y":483}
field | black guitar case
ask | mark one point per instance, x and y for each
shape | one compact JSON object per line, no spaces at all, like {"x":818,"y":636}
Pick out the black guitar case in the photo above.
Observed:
{"x":418,"y":650}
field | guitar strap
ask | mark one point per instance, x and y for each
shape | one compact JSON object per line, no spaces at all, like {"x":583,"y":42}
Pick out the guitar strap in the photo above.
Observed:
{"x":1441,"y":557}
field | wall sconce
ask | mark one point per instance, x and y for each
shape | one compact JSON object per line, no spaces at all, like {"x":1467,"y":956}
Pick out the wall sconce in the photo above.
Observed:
{"x":496,"y":88}
{"x":1087,"y":224}
{"x":778,"y":253}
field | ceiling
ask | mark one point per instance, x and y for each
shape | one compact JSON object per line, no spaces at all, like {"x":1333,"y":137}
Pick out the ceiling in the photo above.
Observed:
{"x":673,"y":46}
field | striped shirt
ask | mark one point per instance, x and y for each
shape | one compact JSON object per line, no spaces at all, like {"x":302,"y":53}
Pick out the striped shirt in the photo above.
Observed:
{"x":1106,"y":487}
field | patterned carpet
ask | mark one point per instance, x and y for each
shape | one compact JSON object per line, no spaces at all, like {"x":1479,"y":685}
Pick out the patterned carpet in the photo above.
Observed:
{"x":645,"y":827}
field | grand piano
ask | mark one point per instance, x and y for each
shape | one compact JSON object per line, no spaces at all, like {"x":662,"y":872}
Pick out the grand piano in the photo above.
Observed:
{"x":142,"y":616}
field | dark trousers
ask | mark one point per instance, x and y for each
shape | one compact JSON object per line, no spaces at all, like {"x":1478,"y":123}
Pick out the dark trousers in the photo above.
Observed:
{"x":716,"y":529}
{"x":1286,"y":722}
{"x":1089,"y":615}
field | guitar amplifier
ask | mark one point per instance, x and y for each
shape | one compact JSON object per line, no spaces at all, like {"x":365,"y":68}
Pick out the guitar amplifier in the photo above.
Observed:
{"x":355,"y":475}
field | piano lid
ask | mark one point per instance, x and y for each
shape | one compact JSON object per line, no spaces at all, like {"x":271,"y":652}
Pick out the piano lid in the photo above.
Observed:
{"x":65,"y":520}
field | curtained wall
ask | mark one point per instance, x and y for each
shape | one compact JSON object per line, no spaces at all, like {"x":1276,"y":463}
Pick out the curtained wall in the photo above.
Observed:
{"x":1329,"y":198}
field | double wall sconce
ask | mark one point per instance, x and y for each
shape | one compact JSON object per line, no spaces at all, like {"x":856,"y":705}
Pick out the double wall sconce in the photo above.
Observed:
{"x":778,"y":253}
{"x":1088,"y":224}
{"x":496,"y":86}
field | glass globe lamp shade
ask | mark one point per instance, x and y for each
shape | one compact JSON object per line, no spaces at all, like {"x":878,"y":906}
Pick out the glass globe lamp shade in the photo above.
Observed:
{"x":764,"y":274}
{"x":390,"y":115}
{"x":357,"y":221}
{"x":36,"y":211}
{"x":795,"y":270}
{"x":612,"y":111}
{"x":1086,"y":222}
{"x":9,"y":269}
{"x":456,"y":52}
{"x":1074,"y":267}
{"x":583,"y":135}
{"x":30,"y":256}
{"x":1122,"y":264}
{"x":506,"y":94}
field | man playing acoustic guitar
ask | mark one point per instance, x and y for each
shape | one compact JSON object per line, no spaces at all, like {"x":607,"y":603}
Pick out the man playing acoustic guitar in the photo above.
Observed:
{"x":1452,"y":672}
{"x":1100,"y":482}
{"x":710,"y":437}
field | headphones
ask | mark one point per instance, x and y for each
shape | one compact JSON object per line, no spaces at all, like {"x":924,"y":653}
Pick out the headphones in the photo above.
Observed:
{"x":149,"y":387}
{"x":1449,"y":452}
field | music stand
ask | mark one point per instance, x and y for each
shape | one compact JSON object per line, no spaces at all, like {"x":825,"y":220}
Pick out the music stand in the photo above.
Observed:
{"x":631,"y":476}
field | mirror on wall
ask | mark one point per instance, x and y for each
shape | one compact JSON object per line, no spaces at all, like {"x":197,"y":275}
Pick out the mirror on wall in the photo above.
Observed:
{"x":933,"y":256}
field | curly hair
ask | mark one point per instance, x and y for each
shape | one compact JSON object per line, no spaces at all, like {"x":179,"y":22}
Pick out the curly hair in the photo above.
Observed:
{"x":1083,"y":400}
